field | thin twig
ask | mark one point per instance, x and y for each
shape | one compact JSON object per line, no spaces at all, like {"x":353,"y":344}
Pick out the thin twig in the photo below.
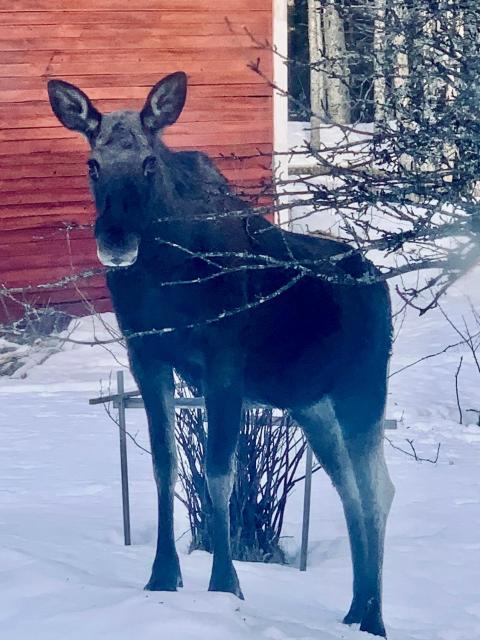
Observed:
{"x":456,"y":390}
{"x":413,"y":454}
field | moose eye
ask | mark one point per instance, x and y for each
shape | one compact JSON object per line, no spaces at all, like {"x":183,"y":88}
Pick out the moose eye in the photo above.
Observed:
{"x":149,"y":165}
{"x":93,"y":169}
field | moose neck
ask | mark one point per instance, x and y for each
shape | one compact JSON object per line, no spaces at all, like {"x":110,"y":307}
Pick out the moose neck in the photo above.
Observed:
{"x":188,"y":185}
{"x":165,"y":199}
{"x":188,"y":189}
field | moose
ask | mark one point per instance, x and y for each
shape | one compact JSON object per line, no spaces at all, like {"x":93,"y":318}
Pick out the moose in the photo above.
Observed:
{"x":244,"y":311}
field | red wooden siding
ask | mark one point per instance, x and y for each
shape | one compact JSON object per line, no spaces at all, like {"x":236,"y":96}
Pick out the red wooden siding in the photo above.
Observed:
{"x":116,"y":51}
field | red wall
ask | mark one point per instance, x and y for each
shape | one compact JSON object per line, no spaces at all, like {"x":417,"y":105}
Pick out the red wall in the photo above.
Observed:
{"x":115,"y":51}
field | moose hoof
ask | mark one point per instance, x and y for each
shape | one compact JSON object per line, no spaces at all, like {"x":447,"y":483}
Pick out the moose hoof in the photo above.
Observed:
{"x":166,"y":574}
{"x":161,"y":584}
{"x":226,"y":583}
{"x":372,"y":619}
{"x":352,"y":617}
{"x":355,"y":613}
{"x":226,"y":589}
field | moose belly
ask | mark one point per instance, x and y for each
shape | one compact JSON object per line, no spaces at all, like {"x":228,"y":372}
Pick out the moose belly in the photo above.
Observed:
{"x":310,"y":341}
{"x":291,"y":362}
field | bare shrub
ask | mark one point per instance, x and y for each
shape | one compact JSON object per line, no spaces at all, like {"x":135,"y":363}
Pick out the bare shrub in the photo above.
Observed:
{"x":269,"y":451}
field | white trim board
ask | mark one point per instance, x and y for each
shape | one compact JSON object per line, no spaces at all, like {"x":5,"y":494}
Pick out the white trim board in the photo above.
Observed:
{"x":280,"y":104}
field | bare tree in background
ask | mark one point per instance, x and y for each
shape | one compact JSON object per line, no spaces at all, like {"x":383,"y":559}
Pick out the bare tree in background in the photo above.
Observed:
{"x":318,"y":93}
{"x":329,"y":73}
{"x":338,"y":94}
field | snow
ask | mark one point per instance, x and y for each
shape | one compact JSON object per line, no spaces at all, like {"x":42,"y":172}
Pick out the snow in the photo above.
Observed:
{"x":64,"y":572}
{"x":356,"y":139}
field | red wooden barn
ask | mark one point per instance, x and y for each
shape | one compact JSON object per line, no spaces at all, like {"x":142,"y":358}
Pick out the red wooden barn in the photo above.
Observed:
{"x":116,"y":51}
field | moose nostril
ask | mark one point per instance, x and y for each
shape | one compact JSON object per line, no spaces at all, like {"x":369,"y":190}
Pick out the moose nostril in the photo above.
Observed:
{"x":149,"y":165}
{"x":93,"y":169}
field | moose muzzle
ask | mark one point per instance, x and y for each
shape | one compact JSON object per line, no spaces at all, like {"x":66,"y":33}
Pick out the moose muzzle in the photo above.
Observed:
{"x":116,"y":248}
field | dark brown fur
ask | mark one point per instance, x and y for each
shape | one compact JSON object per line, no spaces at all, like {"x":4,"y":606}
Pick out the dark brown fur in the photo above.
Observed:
{"x":243,"y":310}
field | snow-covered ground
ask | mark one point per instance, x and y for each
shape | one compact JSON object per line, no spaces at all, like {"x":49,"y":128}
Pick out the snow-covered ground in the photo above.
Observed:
{"x":64,"y":572}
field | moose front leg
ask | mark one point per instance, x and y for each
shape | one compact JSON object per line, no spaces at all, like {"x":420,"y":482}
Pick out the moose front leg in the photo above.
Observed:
{"x":157,"y":388}
{"x":224,"y":408}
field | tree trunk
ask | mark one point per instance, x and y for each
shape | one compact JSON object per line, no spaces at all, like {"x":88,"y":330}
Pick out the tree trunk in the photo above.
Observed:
{"x":400,"y":64}
{"x":318,"y":95}
{"x":379,"y":63}
{"x":338,"y":93}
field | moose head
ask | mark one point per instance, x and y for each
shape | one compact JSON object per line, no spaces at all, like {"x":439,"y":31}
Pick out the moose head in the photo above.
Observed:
{"x":125,"y":160}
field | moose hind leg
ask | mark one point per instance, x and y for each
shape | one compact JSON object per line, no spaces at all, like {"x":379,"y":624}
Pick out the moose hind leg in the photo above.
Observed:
{"x":157,"y":388}
{"x":324,"y":435}
{"x":376,"y":491}
{"x":224,"y":413}
{"x":361,"y":415}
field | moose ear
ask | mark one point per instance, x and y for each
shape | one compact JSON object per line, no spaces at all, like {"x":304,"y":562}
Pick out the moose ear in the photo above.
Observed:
{"x":73,"y":108}
{"x":165,"y":102}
